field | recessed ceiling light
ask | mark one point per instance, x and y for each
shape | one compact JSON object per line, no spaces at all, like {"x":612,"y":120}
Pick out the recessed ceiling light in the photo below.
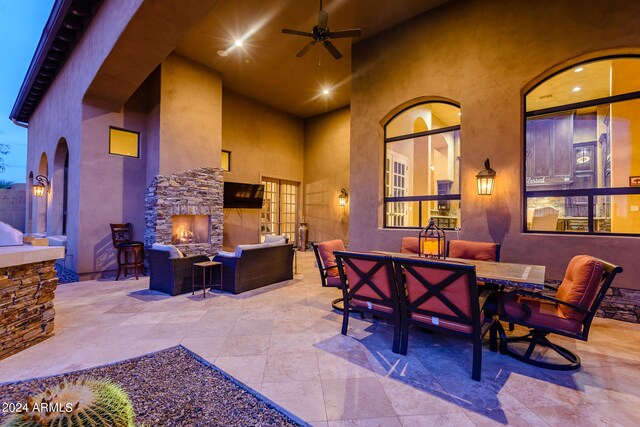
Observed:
{"x":577,"y":89}
{"x":577,"y":70}
{"x":325,"y":92}
{"x":223,"y":52}
{"x":238,"y":43}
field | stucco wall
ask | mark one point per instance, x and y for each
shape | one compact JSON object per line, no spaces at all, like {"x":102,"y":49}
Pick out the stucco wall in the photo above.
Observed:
{"x":190,"y":116}
{"x":263,"y":141}
{"x":60,"y":115}
{"x":12,"y":205}
{"x":484,"y":55}
{"x":326,"y":171}
{"x":89,"y":94}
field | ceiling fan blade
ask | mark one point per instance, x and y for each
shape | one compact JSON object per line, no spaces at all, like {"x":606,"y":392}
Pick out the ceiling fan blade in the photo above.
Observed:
{"x":356,"y":32}
{"x":332,"y":49}
{"x":296,"y":32}
{"x":323,"y":19}
{"x":306,"y":49}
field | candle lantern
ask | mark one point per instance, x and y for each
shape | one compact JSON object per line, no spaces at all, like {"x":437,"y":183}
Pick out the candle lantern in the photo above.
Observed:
{"x":431,"y":241}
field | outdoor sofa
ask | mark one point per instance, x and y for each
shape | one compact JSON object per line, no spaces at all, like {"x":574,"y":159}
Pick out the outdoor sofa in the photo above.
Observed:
{"x":254,"y":266}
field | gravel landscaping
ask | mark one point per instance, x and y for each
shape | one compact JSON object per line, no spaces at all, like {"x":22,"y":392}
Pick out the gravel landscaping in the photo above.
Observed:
{"x":172,"y":387}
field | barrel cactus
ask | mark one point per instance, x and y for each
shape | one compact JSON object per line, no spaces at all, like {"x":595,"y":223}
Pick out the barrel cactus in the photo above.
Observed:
{"x":77,"y":403}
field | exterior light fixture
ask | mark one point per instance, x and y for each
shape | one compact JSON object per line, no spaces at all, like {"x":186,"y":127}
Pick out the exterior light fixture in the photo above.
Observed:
{"x":43,"y":183}
{"x":486,"y":179}
{"x":431,"y":241}
{"x":343,"y":197}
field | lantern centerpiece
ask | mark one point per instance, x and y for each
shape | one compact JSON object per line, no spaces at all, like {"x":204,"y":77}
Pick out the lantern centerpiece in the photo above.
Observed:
{"x":431,"y":241}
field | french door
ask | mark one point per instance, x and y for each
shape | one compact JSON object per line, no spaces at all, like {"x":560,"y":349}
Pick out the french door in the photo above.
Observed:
{"x":396,"y":185}
{"x":280,"y":208}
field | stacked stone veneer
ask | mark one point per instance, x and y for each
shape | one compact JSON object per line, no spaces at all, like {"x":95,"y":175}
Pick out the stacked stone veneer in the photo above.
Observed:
{"x":26,"y":305}
{"x":194,"y":192}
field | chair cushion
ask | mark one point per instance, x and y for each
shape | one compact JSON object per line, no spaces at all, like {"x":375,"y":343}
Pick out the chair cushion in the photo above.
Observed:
{"x":241,"y":248}
{"x":444,"y":323}
{"x":173,"y":251}
{"x":481,"y":251}
{"x":457,"y":292}
{"x":280,"y":242}
{"x":580,"y":285}
{"x":409,"y":245}
{"x":333,"y":281}
{"x":227,"y":254}
{"x":273,"y":238}
{"x":325,"y":249}
{"x":543,"y":313}
{"x":364,"y":295}
{"x":362,"y":303}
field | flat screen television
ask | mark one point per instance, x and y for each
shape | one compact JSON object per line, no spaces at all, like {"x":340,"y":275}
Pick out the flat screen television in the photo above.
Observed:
{"x":240,"y":195}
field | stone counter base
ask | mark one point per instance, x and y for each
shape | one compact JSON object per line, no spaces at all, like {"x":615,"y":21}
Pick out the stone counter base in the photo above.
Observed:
{"x":26,"y":305}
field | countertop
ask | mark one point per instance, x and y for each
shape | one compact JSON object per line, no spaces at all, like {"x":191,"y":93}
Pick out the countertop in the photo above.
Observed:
{"x":26,"y":254}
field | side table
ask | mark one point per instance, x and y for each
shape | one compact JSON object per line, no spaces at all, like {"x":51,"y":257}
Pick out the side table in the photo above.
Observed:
{"x":207,"y":265}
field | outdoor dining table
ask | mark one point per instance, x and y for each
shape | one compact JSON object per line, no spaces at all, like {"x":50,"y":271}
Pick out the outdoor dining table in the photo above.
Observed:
{"x":522,"y":276}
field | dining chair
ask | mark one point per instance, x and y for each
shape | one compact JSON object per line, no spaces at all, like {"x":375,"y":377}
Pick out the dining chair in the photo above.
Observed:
{"x":569,"y":313}
{"x":369,"y":286}
{"x":544,"y":219}
{"x":443,"y":297}
{"x":326,"y":261}
{"x":466,"y":249}
{"x":409,"y":245}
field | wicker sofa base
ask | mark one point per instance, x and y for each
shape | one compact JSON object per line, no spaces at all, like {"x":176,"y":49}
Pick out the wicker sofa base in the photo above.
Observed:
{"x":256,"y":268}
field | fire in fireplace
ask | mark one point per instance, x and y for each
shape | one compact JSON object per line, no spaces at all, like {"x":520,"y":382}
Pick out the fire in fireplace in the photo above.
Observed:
{"x":188,"y":229}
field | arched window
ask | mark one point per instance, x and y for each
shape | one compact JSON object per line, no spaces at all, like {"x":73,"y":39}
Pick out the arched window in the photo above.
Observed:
{"x":422,"y":166}
{"x":582,"y":150}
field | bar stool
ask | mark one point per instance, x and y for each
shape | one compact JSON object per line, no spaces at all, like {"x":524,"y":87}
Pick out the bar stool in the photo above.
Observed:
{"x":121,"y":237}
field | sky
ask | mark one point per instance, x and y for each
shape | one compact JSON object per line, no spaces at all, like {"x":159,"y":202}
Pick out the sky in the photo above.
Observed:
{"x":21,"y":25}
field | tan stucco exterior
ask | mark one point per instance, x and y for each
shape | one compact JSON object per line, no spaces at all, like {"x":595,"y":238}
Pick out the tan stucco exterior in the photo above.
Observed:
{"x":264,"y":142}
{"x":326,"y":172}
{"x":484,"y":55}
{"x":480,"y":54}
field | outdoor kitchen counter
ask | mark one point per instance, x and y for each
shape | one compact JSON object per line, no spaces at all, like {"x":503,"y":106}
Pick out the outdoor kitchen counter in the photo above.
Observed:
{"x":27,"y":283}
{"x":18,"y":255}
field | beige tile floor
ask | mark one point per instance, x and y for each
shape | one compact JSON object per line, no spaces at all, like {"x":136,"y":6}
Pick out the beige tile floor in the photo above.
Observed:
{"x":284,"y":341}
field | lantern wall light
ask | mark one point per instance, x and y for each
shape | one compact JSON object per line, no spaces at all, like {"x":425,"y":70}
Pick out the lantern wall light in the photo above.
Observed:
{"x":43,"y":184}
{"x":343,"y":197}
{"x":486,"y":179}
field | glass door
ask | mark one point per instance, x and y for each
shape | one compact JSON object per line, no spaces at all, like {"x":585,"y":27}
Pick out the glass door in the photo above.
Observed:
{"x":280,"y":208}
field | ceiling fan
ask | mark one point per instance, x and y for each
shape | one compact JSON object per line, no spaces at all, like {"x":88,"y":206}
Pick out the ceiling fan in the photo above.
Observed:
{"x":321,"y":33}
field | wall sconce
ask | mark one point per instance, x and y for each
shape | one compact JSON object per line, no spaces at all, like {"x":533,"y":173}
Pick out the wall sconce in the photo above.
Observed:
{"x":432,"y":241}
{"x":343,"y":197}
{"x":486,"y":179}
{"x":43,"y":183}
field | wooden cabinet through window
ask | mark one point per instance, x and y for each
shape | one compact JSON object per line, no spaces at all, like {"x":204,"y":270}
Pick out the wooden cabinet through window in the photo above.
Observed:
{"x":549,"y":154}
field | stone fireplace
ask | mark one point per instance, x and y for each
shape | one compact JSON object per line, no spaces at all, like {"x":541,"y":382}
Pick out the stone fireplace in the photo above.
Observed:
{"x":187,"y":229}
{"x":185,"y":209}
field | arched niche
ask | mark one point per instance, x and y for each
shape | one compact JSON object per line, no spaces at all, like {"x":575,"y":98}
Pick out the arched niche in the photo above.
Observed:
{"x":29,"y":223}
{"x":59,"y":189}
{"x":41,"y":203}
